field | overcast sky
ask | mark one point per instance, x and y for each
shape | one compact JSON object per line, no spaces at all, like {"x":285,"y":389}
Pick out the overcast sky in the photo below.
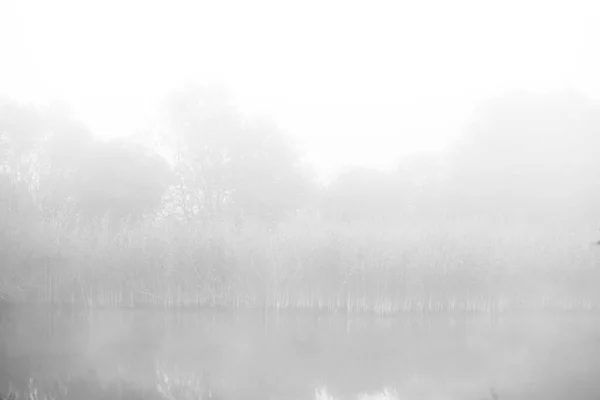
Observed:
{"x":356,"y":81}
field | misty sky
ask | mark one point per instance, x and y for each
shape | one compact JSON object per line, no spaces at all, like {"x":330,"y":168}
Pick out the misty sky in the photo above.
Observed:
{"x":356,"y":81}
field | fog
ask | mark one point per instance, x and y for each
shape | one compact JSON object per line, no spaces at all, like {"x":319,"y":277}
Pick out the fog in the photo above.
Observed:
{"x":385,"y":79}
{"x":299,"y":201}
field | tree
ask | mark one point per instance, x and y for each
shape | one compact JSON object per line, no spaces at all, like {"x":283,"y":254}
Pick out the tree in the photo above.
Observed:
{"x":201,"y":124}
{"x":361,"y":194}
{"x":423,"y":180}
{"x":228,"y":165}
{"x":121,"y":180}
{"x":41,"y":147}
{"x":61,"y":154}
{"x":21,"y":129}
{"x":268,"y":177}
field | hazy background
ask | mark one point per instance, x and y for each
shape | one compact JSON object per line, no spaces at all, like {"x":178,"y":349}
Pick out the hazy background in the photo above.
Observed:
{"x":356,"y":83}
{"x":331,"y":139}
{"x":288,"y":171}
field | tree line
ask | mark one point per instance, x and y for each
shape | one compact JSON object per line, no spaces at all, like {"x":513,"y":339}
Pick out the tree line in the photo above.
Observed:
{"x":210,"y":191}
{"x":523,"y":156}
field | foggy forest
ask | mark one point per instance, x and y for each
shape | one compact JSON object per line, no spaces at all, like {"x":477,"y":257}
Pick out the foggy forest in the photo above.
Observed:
{"x":315,"y":200}
{"x":212,"y":209}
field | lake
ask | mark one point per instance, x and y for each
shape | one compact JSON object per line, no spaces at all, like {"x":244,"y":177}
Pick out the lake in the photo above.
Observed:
{"x":253,"y":355}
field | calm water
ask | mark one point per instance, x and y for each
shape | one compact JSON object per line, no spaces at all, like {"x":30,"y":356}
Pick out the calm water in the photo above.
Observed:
{"x":250,"y":355}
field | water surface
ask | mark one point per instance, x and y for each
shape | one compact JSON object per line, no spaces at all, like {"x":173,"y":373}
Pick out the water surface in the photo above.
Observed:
{"x":250,"y":355}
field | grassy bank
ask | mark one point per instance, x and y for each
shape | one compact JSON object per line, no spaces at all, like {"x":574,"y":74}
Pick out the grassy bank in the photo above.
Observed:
{"x":91,"y":387}
{"x":306,"y":264}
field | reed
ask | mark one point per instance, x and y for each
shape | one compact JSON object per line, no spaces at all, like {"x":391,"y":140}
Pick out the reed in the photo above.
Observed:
{"x":305,"y":264}
{"x":85,"y":387}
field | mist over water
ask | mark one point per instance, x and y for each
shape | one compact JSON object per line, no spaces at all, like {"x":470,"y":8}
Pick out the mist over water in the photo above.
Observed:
{"x":323,"y":200}
{"x":250,"y":355}
{"x":470,"y":274}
